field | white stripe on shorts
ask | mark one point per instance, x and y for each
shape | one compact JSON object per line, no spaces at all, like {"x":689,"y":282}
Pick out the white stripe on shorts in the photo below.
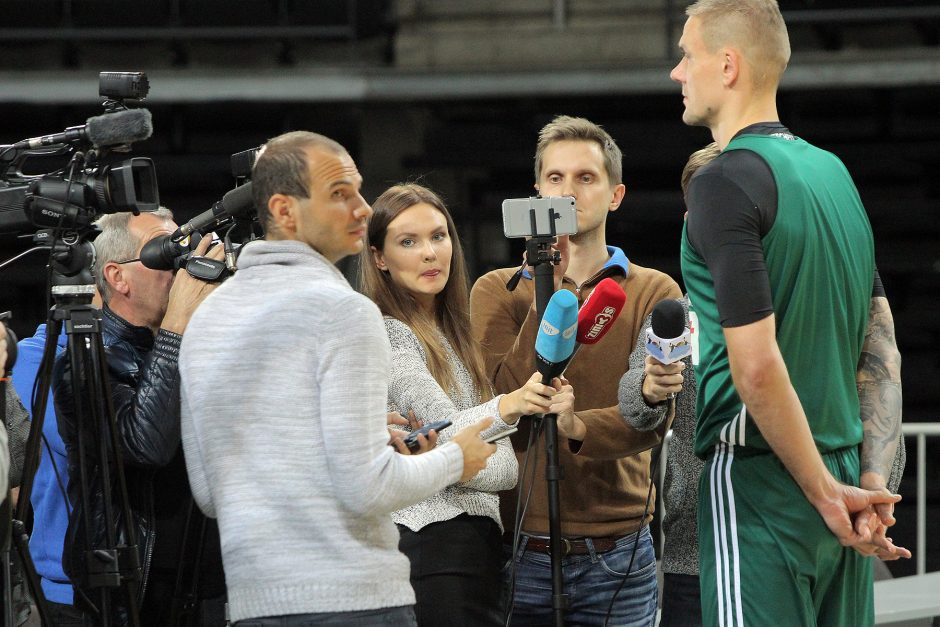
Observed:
{"x":727,"y":562}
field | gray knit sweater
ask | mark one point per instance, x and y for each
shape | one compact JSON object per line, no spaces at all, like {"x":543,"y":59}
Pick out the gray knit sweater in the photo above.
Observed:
{"x":412,"y":387}
{"x":284,"y":385}
{"x":680,"y":485}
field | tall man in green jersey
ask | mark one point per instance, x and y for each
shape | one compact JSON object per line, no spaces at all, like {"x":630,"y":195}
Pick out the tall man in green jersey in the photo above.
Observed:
{"x":778,"y":260}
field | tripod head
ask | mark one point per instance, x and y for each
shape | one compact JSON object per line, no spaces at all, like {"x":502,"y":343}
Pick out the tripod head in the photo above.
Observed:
{"x":72,"y":260}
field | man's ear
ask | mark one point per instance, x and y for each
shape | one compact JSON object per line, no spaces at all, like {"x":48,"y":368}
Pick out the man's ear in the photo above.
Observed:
{"x":115,"y":278}
{"x":283,"y":211}
{"x":731,"y":65}
{"x":620,"y":191}
{"x":378,"y":258}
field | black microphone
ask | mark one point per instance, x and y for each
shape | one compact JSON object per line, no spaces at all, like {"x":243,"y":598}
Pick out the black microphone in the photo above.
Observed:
{"x":110,"y":129}
{"x":668,"y":338}
{"x":236,"y":203}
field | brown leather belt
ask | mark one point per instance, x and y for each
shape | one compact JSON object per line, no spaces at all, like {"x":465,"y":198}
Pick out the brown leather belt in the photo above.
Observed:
{"x":571,"y":546}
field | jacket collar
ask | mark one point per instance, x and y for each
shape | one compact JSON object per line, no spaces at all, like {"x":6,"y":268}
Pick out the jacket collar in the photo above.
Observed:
{"x":140,"y":337}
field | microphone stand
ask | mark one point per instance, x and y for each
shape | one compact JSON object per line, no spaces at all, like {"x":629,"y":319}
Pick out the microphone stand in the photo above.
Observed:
{"x":540,"y":257}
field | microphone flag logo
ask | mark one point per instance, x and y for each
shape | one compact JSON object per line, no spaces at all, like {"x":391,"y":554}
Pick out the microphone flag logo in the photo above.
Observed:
{"x":668,"y":350}
{"x":549,"y":329}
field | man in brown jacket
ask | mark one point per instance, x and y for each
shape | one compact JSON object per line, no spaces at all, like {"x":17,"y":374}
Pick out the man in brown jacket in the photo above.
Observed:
{"x":606,"y":481}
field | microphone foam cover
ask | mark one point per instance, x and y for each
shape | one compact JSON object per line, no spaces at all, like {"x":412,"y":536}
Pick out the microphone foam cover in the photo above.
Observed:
{"x":599,"y":311}
{"x":238,"y":202}
{"x":668,"y":319}
{"x":557,"y":331}
{"x":120,"y":127}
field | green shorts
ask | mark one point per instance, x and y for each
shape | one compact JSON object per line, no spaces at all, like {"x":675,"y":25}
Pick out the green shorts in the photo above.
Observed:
{"x":766,"y":556}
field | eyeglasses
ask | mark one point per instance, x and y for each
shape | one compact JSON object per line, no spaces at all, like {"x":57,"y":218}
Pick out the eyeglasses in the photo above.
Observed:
{"x":128,"y":261}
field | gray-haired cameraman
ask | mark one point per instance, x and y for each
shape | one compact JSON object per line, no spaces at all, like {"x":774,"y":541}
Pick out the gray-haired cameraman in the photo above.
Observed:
{"x":144,"y":316}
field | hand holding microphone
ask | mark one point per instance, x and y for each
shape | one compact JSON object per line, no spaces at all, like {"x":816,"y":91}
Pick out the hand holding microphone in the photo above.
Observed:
{"x":534,"y":397}
{"x":667,"y":343}
{"x":569,"y":425}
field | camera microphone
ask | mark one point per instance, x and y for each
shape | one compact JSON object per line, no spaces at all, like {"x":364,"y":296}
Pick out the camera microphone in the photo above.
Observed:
{"x":110,"y":129}
{"x":120,"y":127}
{"x":236,"y":203}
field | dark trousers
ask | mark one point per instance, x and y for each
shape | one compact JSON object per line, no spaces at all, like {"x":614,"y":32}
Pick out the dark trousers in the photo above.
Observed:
{"x":62,"y":615}
{"x":682,"y":601}
{"x":456,"y":571}
{"x":384,"y":617}
{"x":159,"y":604}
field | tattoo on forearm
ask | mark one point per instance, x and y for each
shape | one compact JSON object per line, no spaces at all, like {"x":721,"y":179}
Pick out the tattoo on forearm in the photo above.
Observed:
{"x":879,"y":391}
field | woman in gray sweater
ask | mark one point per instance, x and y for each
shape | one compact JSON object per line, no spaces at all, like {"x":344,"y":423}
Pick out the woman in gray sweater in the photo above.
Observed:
{"x":414,"y":270}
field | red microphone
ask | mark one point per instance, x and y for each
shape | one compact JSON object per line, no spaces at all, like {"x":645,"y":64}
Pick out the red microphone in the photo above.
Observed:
{"x":598,"y":313}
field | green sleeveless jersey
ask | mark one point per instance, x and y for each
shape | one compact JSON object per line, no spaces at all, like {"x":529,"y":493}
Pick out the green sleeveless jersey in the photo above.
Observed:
{"x":820,"y":264}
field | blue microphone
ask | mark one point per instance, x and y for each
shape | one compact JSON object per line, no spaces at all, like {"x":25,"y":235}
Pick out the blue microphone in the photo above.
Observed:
{"x":557,"y":334}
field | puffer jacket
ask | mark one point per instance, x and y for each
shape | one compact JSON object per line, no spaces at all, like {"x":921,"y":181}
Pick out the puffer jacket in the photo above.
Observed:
{"x":145,"y":394}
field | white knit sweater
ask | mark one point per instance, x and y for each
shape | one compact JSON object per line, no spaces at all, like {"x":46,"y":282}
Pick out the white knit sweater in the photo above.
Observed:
{"x":284,"y":384}
{"x":413,"y":388}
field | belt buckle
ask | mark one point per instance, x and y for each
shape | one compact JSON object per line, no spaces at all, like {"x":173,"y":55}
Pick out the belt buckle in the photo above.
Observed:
{"x":567,"y":546}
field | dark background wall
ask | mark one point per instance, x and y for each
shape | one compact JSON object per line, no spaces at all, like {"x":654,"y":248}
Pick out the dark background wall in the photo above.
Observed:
{"x":453,"y":94}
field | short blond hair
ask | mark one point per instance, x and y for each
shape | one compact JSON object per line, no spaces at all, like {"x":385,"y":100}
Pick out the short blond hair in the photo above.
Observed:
{"x":699,"y":158}
{"x":755,"y":27}
{"x":567,"y":128}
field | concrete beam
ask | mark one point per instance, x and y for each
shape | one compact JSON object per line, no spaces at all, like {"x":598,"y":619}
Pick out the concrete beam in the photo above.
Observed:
{"x":820,"y":71}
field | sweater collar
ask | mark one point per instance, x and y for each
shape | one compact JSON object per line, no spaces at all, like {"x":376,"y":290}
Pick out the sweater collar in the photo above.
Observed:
{"x":284,"y":252}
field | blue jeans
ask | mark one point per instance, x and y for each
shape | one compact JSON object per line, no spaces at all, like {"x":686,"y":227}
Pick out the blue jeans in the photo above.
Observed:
{"x":590,"y":582}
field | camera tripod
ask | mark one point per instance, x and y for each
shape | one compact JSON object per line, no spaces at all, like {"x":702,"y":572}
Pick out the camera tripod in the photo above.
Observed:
{"x":109,"y":562}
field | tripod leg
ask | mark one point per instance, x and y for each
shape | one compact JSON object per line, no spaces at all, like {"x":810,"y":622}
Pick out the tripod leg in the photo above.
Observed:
{"x":20,"y":542}
{"x":108,"y":434}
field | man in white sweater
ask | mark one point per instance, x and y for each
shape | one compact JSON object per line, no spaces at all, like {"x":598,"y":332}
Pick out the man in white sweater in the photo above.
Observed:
{"x":284,"y":375}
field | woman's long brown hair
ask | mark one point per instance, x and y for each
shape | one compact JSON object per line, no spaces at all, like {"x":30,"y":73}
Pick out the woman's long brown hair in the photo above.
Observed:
{"x":452,"y":305}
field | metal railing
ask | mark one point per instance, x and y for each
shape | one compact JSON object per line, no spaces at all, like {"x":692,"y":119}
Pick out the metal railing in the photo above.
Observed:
{"x":921,"y":431}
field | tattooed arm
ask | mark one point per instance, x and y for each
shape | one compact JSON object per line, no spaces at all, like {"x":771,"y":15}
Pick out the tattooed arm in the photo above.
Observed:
{"x":879,"y":391}
{"x":878,"y":379}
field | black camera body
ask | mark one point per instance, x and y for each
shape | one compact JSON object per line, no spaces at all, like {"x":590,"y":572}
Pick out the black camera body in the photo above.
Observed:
{"x":75,"y":195}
